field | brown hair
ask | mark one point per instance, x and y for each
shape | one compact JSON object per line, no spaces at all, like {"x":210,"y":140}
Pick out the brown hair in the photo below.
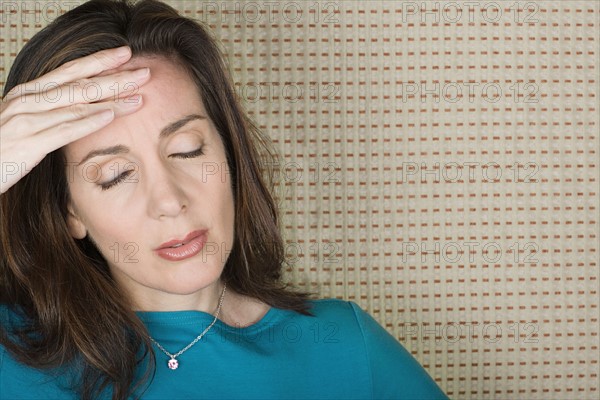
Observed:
{"x":61,"y":287}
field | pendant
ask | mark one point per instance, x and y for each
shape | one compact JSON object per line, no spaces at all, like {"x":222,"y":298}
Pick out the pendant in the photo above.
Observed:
{"x":173,"y":364}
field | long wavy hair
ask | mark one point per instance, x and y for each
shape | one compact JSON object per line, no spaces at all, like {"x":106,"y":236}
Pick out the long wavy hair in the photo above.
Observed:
{"x":60,"y":287}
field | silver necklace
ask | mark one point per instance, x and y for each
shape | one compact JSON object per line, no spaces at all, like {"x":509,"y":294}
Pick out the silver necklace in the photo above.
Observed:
{"x":173,"y":363}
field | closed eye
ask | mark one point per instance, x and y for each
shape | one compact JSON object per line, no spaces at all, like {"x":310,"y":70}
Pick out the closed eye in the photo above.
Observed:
{"x":116,"y":181}
{"x":192,"y":154}
{"x":124,"y":175}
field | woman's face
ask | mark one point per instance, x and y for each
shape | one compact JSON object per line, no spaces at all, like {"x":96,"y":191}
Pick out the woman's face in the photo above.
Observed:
{"x":173,"y":189}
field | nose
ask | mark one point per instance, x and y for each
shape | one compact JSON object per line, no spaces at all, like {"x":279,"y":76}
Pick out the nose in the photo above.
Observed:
{"x":166,"y":197}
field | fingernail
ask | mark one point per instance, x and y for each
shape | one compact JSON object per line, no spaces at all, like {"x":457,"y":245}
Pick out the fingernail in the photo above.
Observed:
{"x":122,"y":52}
{"x":141,"y":73}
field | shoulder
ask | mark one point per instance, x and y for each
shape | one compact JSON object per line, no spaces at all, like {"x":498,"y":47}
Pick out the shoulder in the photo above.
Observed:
{"x":348,"y":314}
{"x":393,"y":371}
{"x":332,"y":307}
{"x":341,"y":315}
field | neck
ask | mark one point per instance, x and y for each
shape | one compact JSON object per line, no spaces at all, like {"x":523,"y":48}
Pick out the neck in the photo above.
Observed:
{"x":206,"y":300}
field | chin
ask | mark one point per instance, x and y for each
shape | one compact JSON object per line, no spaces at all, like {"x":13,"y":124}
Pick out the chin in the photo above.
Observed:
{"x":185,"y":285}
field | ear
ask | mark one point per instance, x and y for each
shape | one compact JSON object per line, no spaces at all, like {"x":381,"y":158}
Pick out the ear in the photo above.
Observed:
{"x":74,"y":223}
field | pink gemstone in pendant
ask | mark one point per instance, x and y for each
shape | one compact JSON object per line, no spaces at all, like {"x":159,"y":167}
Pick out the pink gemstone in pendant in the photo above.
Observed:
{"x":173,"y":364}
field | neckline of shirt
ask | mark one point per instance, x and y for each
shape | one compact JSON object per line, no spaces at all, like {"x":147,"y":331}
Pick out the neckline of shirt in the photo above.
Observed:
{"x":195,"y":317}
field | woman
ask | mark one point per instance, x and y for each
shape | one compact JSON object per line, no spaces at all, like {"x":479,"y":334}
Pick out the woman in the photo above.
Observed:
{"x":141,"y":256}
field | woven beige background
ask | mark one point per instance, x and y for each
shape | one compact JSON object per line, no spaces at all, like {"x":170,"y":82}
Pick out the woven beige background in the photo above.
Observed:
{"x":490,"y":278}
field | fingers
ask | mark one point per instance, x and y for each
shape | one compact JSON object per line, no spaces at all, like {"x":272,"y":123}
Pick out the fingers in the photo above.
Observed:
{"x":41,"y":121}
{"x":74,"y":70}
{"x":33,"y":127}
{"x":29,"y":151}
{"x":66,"y":132}
{"x":86,"y":90}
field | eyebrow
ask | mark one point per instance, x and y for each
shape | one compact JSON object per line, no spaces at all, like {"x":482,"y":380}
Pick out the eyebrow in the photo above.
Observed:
{"x":164,"y":133}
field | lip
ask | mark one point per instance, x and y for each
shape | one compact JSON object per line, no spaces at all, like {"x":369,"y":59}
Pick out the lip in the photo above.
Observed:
{"x":194,"y":242}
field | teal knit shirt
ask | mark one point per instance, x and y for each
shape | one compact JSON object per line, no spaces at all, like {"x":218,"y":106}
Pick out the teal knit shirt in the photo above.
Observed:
{"x":342,"y":353}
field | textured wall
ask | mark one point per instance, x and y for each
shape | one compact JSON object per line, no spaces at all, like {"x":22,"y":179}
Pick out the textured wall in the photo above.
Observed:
{"x":440,"y":168}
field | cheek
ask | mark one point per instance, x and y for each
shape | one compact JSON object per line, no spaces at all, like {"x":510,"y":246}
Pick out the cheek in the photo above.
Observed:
{"x":105,"y":240}
{"x":226,"y":204}
{"x":108,"y":229}
{"x":119,"y":246}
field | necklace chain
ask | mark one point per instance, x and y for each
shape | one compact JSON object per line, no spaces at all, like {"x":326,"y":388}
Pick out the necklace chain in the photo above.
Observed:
{"x":173,"y":363}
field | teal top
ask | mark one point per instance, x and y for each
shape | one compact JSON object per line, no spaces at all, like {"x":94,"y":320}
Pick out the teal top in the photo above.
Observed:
{"x":342,"y":353}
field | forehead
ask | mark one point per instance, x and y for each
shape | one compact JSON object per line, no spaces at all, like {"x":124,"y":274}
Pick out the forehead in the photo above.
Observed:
{"x":158,"y":62}
{"x":165,"y":74}
{"x":169,"y":95}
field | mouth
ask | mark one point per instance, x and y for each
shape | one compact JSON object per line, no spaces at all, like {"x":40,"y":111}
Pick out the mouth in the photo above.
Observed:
{"x":181,"y":249}
{"x":176,"y":243}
